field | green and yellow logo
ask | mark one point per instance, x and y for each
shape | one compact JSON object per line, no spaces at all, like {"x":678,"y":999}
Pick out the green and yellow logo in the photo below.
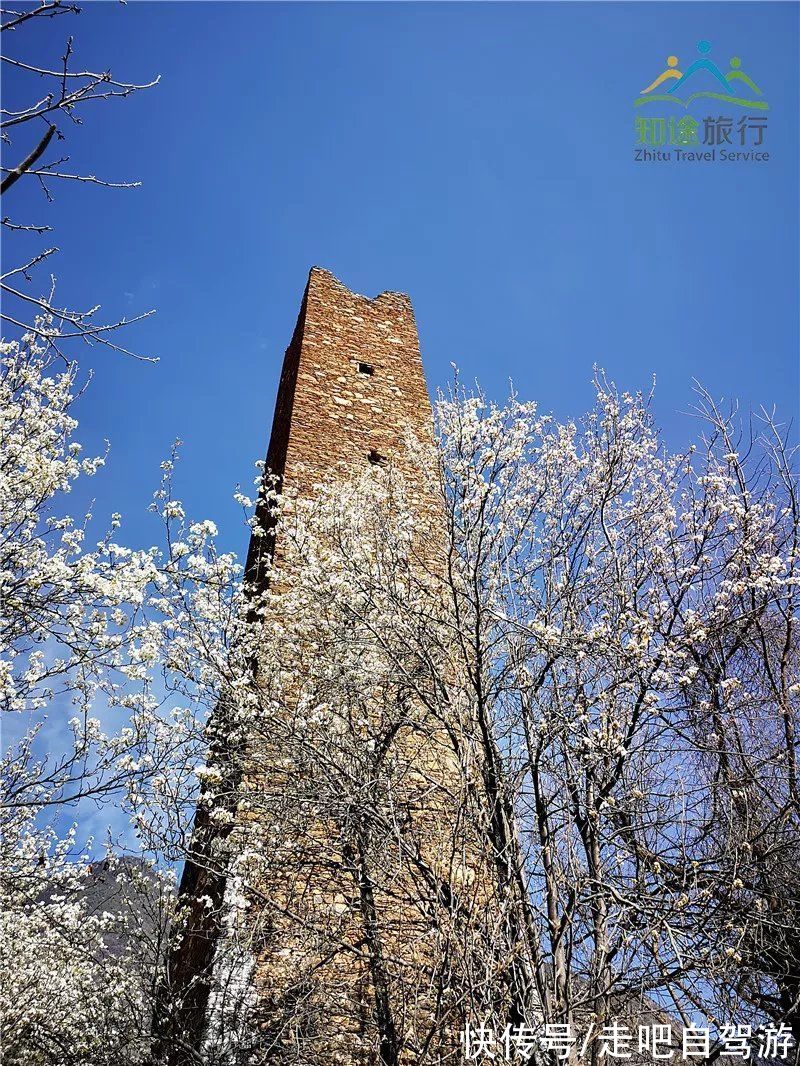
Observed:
{"x":737,"y":87}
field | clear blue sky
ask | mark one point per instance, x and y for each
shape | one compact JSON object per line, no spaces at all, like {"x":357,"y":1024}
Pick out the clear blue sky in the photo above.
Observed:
{"x":477,"y":156}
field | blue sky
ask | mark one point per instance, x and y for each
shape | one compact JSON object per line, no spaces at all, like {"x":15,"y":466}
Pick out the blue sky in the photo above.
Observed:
{"x":477,"y":156}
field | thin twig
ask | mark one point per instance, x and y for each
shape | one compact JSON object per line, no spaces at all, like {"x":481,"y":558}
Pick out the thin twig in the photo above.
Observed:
{"x":44,"y":172}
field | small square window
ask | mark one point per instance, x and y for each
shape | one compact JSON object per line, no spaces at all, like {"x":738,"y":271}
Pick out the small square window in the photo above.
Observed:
{"x":367,"y":369}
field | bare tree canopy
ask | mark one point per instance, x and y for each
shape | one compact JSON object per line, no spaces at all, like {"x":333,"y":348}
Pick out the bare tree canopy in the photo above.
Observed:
{"x":34,"y":135}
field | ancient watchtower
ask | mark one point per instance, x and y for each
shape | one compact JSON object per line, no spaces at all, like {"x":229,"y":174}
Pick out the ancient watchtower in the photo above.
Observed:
{"x":361,"y":986}
{"x":351,"y":390}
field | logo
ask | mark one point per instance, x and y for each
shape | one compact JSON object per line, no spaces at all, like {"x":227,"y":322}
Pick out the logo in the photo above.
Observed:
{"x":732,"y":92}
{"x":701,"y":138}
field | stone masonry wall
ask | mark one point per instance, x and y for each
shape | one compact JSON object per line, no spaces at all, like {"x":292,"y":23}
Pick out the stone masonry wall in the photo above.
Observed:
{"x":331,"y":416}
{"x":351,"y":935}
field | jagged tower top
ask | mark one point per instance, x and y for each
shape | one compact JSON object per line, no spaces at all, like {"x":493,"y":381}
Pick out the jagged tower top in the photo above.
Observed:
{"x":352,"y":383}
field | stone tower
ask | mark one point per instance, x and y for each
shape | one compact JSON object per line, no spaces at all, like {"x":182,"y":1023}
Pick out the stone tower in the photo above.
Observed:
{"x":351,"y":389}
{"x":355,"y":988}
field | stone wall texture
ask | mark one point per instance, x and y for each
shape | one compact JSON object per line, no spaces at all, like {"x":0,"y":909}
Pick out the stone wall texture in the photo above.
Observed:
{"x":349,"y":960}
{"x":351,"y":390}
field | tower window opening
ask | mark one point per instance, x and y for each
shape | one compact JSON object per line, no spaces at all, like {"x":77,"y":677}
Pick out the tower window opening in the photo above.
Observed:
{"x":376,"y":458}
{"x":367,"y":369}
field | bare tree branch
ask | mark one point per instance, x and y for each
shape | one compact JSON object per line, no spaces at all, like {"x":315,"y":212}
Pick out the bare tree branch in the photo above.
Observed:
{"x":15,"y":174}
